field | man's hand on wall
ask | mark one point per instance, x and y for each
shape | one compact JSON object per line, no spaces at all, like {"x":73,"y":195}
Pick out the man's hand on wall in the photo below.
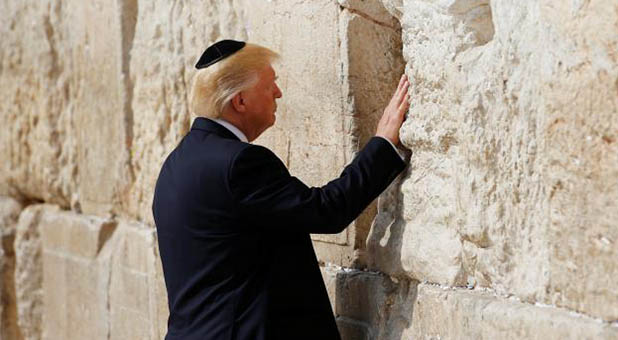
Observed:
{"x":394,"y":113}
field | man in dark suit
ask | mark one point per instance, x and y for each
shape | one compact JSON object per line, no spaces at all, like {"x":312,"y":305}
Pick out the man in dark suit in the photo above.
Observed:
{"x":233,"y":225}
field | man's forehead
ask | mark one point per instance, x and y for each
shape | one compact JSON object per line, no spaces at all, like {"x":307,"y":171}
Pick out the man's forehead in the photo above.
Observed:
{"x":269,"y":72}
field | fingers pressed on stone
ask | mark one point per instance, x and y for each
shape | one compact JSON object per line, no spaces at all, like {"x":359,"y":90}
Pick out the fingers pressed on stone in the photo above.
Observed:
{"x":401,"y":81}
{"x":405,"y":104}
{"x":403,"y":95}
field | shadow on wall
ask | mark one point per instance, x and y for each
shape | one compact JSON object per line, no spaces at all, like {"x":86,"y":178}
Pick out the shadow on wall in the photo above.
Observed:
{"x":372,"y":305}
{"x":385,"y":241}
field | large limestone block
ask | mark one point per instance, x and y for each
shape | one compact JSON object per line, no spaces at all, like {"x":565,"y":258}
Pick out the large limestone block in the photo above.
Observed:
{"x":167,"y":40}
{"x":138,"y":299}
{"x":100,"y":279}
{"x":333,"y":92}
{"x":99,"y":31}
{"x":443,"y":313}
{"x":29,"y":270}
{"x":64,"y":94}
{"x":9,"y":213}
{"x":513,"y":184}
{"x":580,"y":94}
{"x":76,"y":274}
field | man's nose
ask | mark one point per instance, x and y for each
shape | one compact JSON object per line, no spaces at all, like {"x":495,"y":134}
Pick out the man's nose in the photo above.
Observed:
{"x":278,"y":93}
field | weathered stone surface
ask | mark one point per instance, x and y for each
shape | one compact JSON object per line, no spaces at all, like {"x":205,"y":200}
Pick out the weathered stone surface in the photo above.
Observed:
{"x":460,"y":314}
{"x":35,"y":74}
{"x":9,"y":213}
{"x":101,"y":114}
{"x":580,"y":97}
{"x":63,"y":93}
{"x":29,"y":270}
{"x":514,"y":179}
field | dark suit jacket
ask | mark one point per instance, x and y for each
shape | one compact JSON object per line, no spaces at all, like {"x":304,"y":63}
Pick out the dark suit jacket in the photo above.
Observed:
{"x":233,"y":230}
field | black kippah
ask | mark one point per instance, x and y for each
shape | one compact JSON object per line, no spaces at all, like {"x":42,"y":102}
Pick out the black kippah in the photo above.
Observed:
{"x":218,"y":51}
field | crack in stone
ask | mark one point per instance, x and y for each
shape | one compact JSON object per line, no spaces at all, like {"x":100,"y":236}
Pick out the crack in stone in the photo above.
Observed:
{"x":370,"y":18}
{"x":128,"y":20}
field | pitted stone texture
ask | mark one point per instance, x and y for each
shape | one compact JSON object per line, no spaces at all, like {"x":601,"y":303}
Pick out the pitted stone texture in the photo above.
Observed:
{"x":168,"y":38}
{"x":29,"y":270}
{"x":441,"y":313}
{"x":333,"y":93}
{"x":38,"y":159}
{"x":9,"y":213}
{"x":514,"y":178}
{"x":76,"y":275}
{"x":63,"y":94}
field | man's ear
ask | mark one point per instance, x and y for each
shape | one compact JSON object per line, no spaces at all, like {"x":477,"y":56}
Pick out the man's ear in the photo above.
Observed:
{"x":238,"y":102}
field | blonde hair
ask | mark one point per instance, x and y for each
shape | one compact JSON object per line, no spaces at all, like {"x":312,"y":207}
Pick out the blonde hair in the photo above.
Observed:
{"x":215,"y":86}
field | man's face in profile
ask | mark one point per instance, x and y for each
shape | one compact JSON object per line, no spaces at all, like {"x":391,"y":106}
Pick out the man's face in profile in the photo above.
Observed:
{"x":260,"y":100}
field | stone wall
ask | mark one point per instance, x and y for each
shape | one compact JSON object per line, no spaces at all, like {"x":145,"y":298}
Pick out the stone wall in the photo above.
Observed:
{"x":503,"y":225}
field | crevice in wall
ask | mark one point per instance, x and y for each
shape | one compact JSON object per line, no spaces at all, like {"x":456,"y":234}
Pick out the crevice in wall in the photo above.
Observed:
{"x":370,"y":18}
{"x":54,"y":70}
{"x":10,"y":329}
{"x":105,"y":258}
{"x":107,"y":230}
{"x":128,"y":21}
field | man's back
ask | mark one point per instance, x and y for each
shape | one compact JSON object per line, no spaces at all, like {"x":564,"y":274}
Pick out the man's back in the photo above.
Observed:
{"x":233,"y":229}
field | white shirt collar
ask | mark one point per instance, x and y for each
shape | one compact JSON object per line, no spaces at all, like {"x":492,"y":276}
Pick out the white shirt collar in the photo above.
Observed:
{"x":232,"y":129}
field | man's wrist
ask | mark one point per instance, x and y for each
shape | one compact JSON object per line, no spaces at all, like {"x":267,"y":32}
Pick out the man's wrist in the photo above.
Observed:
{"x":394,"y":147}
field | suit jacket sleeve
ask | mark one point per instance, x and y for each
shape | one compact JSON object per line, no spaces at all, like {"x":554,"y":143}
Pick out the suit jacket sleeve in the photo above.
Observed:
{"x":268,"y":197}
